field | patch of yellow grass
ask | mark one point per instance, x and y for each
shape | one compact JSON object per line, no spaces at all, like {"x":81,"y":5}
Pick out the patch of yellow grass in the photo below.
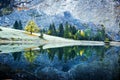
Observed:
{"x":27,"y":49}
{"x":28,"y":33}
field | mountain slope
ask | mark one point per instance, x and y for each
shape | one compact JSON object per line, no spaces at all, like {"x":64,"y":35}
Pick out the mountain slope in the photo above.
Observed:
{"x":47,"y":11}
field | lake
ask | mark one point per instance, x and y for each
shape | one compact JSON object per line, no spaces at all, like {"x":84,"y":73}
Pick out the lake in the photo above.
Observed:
{"x":59,"y":63}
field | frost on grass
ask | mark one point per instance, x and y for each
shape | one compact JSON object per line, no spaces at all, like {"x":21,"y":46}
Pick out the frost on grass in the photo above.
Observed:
{"x":19,"y":35}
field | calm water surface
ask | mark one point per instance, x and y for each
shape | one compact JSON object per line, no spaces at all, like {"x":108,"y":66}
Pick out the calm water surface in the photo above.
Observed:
{"x":64,"y":63}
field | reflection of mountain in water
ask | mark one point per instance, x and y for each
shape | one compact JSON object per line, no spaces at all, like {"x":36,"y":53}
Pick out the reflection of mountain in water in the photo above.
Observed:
{"x":66,"y":62}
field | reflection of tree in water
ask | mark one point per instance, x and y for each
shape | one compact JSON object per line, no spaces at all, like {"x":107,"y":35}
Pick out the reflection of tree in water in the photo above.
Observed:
{"x":67,"y":53}
{"x":51,"y":53}
{"x":42,"y":51}
{"x":31,"y":55}
{"x":60,"y":53}
{"x":64,"y":53}
{"x":16,"y":55}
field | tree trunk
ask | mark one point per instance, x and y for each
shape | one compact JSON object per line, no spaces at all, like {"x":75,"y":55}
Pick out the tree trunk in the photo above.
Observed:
{"x":31,"y":30}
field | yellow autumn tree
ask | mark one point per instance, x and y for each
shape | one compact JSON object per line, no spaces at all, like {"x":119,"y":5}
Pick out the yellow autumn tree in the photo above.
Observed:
{"x":81,"y":52}
{"x":82,"y":33}
{"x":32,"y":27}
{"x":30,"y":55}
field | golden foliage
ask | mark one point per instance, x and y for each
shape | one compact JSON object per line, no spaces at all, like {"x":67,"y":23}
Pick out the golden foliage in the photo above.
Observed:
{"x":32,"y":27}
{"x":82,"y":33}
{"x":81,"y":52}
{"x":49,"y":32}
{"x":30,"y":34}
{"x":30,"y":56}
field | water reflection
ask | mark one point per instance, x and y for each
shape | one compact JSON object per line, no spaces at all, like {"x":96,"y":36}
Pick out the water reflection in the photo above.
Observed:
{"x":63,"y":53}
{"x":31,"y":55}
{"x":66,"y":63}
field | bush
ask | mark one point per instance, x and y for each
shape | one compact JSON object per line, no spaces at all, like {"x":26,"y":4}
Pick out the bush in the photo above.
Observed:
{"x":41,"y":35}
{"x":13,"y":39}
{"x":0,"y":29}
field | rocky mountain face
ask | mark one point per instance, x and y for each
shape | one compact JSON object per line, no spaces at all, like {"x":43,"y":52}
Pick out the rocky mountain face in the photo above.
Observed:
{"x":76,"y":12}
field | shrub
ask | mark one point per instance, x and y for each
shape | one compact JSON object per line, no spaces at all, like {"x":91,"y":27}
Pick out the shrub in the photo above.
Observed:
{"x":0,"y":29}
{"x":41,"y":35}
{"x":13,"y":39}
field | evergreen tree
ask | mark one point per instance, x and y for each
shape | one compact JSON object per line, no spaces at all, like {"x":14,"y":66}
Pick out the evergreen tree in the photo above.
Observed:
{"x":50,"y":30}
{"x":20,"y":25}
{"x":74,"y":30}
{"x":103,"y":32}
{"x":98,"y":36}
{"x":88,"y":34}
{"x":66,"y":32}
{"x":16,"y":25}
{"x":54,"y":32}
{"x":44,"y":31}
{"x":70,"y":30}
{"x":61,"y":30}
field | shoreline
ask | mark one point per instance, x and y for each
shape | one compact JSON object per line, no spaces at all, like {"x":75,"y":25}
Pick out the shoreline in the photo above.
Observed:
{"x":7,"y":47}
{"x":75,"y":42}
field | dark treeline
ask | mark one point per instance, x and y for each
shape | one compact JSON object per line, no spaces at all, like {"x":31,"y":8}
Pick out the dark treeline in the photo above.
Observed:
{"x":4,"y":3}
{"x":6,"y":7}
{"x":70,"y":31}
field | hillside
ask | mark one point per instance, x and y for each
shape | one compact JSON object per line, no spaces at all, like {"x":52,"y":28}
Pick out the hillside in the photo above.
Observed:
{"x":8,"y":34}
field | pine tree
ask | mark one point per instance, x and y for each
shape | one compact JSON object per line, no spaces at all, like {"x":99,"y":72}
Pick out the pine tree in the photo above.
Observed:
{"x":20,"y":25}
{"x":54,"y":32}
{"x":66,"y":32}
{"x":16,"y":25}
{"x":103,"y":32}
{"x":50,"y":30}
{"x":70,"y":28}
{"x":61,"y":30}
{"x":74,"y":30}
{"x":88,"y":34}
